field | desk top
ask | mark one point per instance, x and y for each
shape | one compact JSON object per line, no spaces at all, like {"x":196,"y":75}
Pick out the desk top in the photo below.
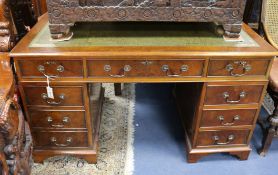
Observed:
{"x":144,"y":39}
{"x":141,"y":34}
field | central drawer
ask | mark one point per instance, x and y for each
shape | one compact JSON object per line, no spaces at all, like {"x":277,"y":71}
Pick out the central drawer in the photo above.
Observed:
{"x":60,"y":139}
{"x":222,"y":138}
{"x":57,"y":119}
{"x":63,"y":96}
{"x":175,"y":68}
{"x":146,"y":68}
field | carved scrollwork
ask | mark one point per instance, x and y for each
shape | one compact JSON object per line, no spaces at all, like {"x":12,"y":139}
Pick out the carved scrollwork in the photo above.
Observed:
{"x":5,"y":27}
{"x":16,"y":147}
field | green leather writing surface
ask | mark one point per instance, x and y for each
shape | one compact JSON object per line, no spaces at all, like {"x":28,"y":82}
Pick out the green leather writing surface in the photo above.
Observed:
{"x":141,"y":34}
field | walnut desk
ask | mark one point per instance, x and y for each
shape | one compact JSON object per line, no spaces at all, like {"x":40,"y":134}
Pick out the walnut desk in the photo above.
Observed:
{"x":220,"y":85}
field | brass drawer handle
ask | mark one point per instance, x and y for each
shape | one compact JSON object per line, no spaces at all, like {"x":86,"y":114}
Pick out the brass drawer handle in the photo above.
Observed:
{"x":221,"y":118}
{"x":42,"y":68}
{"x":165,"y":68}
{"x":52,"y":102}
{"x":126,"y":68}
{"x":229,"y":140}
{"x":245,"y":67}
{"x":54,"y":141}
{"x":65,"y":121}
{"x":226,"y":96}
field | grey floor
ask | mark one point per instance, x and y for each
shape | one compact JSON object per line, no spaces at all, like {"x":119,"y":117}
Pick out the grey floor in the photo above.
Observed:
{"x":159,"y":141}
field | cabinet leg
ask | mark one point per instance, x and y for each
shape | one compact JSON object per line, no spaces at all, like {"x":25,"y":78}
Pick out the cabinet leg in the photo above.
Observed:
{"x":60,"y":31}
{"x":193,"y":158}
{"x":242,"y":155}
{"x":232,"y":30}
{"x":118,"y":89}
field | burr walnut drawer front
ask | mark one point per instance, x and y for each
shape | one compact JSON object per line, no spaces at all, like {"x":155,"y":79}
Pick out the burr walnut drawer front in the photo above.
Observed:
{"x":116,"y":68}
{"x":233,"y":94}
{"x":237,"y":68}
{"x":60,"y":68}
{"x":63,"y":95}
{"x":60,"y":139}
{"x":175,"y":68}
{"x":222,"y":138}
{"x":234,"y":117}
{"x":57,"y":119}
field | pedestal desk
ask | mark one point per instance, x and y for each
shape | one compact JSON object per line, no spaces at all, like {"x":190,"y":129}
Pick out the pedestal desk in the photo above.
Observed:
{"x":219,"y":89}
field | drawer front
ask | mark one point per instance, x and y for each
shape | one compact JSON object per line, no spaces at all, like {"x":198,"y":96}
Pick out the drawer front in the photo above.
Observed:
{"x":175,"y":68}
{"x":116,"y":69}
{"x":222,"y":138}
{"x":237,"y":68}
{"x":236,"y":117}
{"x":61,"y":139}
{"x":60,"y":68}
{"x":57,"y":119}
{"x":63,"y":96}
{"x":245,"y":94}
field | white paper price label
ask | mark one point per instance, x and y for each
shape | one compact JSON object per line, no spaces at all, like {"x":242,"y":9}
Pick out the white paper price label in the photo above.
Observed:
{"x":49,"y":91}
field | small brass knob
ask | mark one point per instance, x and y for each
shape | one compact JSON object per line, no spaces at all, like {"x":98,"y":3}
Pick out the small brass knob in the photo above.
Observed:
{"x":231,"y":137}
{"x":62,"y":96}
{"x":236,"y":117}
{"x":44,"y":96}
{"x":248,"y":67}
{"x":107,"y":68}
{"x":49,"y":119}
{"x":53,"y":139}
{"x":184,"y":68}
{"x":69,"y":139}
{"x":127,"y":68}
{"x":41,"y":68}
{"x":66,"y":119}
{"x":221,"y":118}
{"x":229,"y":67}
{"x":165,"y":68}
{"x":242,"y":94}
{"x":60,"y":68}
{"x":226,"y":95}
{"x":215,"y":138}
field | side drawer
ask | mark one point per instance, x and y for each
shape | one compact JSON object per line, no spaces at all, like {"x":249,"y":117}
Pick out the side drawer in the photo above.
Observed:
{"x":35,"y":68}
{"x":233,"y":94}
{"x":116,"y":68}
{"x":175,"y":68}
{"x":222,"y":138}
{"x":60,"y":139}
{"x":63,"y":95}
{"x":57,"y":119}
{"x":236,"y":68}
{"x":234,"y":117}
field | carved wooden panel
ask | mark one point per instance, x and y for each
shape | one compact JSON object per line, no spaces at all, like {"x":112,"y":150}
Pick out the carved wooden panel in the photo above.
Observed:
{"x":64,"y":13}
{"x":15,"y":18}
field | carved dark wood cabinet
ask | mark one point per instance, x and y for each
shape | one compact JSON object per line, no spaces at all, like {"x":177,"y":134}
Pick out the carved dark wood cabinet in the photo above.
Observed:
{"x":64,"y":13}
{"x":15,"y":137}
